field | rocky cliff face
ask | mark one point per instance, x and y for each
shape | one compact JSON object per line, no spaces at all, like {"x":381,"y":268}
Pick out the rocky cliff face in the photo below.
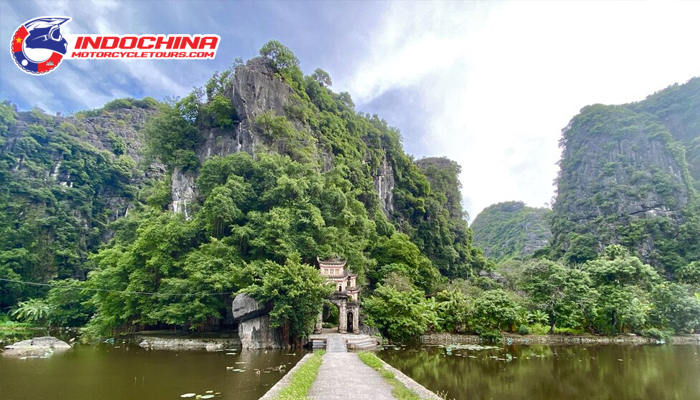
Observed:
{"x":624,"y":179}
{"x":443,"y":175}
{"x":112,"y":134}
{"x":511,"y":230}
{"x":677,"y":108}
{"x":384,"y":184}
{"x":71,"y":175}
{"x":256,"y":90}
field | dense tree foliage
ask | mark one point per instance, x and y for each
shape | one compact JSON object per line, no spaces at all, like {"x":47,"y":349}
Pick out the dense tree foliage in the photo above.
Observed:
{"x":564,"y":295}
{"x":62,"y":181}
{"x":88,"y":212}
{"x":400,"y":314}
{"x":296,"y":291}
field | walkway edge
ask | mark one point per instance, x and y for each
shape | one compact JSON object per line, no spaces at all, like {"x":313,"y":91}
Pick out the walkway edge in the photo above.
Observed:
{"x":416,"y":387}
{"x":286,"y":379}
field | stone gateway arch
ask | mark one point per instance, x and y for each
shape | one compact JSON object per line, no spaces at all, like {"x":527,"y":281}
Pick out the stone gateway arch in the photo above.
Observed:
{"x":345,"y":297}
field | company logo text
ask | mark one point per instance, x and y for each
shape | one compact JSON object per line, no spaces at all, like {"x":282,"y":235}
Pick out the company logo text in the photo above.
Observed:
{"x":142,"y":46}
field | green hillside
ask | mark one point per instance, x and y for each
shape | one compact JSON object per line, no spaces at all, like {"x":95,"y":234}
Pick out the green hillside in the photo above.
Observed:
{"x":511,"y":230}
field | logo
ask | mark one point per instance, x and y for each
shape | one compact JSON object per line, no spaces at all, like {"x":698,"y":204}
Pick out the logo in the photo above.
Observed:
{"x":38,"y":45}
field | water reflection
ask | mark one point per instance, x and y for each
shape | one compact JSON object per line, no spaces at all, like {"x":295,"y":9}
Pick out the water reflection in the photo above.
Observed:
{"x":554,"y":372}
{"x":124,"y":371}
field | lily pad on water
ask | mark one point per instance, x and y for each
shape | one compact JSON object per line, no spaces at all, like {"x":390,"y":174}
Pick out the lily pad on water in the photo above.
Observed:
{"x":188,"y":395}
{"x":207,"y":396}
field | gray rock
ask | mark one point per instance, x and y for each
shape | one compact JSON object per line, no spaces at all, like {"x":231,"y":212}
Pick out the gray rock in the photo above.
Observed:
{"x":256,"y":89}
{"x":185,"y":344}
{"x":183,"y":192}
{"x":256,"y":333}
{"x":619,"y":167}
{"x":214,"y":346}
{"x":40,"y":346}
{"x":254,"y":328}
{"x":245,"y":307}
{"x":48,"y":342}
{"x":384,"y":185}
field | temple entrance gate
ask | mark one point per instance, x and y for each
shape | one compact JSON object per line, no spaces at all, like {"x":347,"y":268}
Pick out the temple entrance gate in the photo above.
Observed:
{"x":346,"y":296}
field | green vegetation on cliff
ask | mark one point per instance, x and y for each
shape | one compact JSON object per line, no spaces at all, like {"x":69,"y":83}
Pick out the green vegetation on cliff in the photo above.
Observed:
{"x":625,"y":180}
{"x":154,"y":215}
{"x":511,"y":230}
{"x":314,"y":179}
{"x":62,"y":181}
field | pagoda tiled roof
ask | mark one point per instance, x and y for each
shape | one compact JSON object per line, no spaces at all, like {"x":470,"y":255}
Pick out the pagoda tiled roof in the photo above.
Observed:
{"x":333,"y":262}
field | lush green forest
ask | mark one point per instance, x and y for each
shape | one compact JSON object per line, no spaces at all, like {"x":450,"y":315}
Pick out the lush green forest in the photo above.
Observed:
{"x":260,"y":219}
{"x":87,"y":212}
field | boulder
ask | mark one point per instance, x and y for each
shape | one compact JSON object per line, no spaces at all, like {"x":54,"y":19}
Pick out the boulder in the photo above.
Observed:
{"x":254,"y":328}
{"x":256,"y":333}
{"x":40,"y":346}
{"x":245,"y":307}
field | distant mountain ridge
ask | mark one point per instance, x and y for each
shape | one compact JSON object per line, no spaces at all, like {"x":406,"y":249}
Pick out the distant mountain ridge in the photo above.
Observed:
{"x":511,"y":230}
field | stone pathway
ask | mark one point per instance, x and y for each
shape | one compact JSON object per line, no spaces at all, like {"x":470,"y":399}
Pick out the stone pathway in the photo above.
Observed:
{"x":336,"y":344}
{"x":344,"y":376}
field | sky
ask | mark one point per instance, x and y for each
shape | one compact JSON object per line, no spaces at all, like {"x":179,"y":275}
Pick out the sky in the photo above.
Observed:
{"x":487,"y":84}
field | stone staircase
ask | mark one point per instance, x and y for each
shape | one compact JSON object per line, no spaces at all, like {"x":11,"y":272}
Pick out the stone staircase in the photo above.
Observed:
{"x":363,"y":343}
{"x":351,"y":342}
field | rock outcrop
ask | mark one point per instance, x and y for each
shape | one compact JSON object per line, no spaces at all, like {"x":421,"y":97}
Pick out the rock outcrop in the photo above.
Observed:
{"x":183,"y":190}
{"x":183,"y":344}
{"x":384,"y":185}
{"x":256,"y":90}
{"x":37,"y":347}
{"x":254,"y":328}
{"x":624,"y":180}
{"x":677,"y":108}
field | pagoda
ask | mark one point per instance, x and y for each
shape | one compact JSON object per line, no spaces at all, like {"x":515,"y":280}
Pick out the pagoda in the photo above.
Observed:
{"x":345,"y":297}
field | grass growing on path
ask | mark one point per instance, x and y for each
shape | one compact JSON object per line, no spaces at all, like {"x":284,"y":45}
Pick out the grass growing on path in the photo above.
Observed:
{"x":302,"y":380}
{"x":399,"y":391}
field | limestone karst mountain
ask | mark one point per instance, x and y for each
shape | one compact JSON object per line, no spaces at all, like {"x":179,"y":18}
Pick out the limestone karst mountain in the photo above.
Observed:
{"x":69,"y":181}
{"x":511,"y":230}
{"x":626,"y":179}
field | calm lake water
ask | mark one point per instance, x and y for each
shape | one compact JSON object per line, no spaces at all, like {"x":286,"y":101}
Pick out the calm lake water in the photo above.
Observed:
{"x":615,"y":372}
{"x":121,"y":371}
{"x":111,"y":372}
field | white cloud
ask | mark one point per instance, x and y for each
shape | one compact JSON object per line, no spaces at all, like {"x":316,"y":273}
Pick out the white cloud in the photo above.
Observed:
{"x":499,"y":81}
{"x":91,"y":83}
